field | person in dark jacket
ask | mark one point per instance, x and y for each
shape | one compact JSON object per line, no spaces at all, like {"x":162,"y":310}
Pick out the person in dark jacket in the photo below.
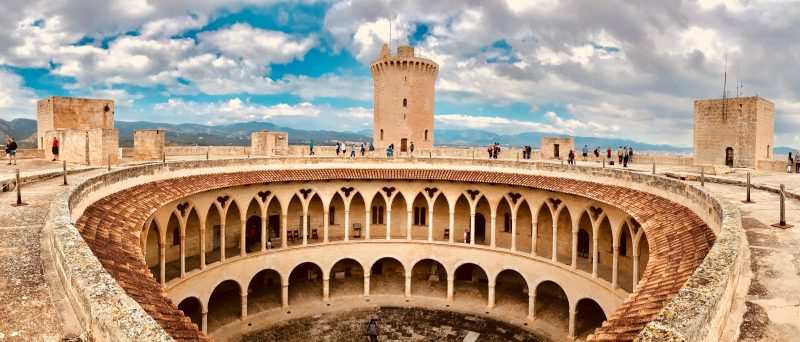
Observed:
{"x":11,"y":150}
{"x":372,"y":330}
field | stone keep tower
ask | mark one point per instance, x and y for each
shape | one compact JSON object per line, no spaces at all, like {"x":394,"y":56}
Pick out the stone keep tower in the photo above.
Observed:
{"x":404,"y":92}
{"x":737,"y":132}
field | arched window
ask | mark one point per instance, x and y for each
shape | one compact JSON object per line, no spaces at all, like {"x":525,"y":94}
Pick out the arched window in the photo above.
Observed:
{"x":507,"y":222}
{"x":176,"y":236}
{"x":426,"y":135}
{"x":405,"y":103}
{"x":583,"y":243}
{"x":381,"y":133}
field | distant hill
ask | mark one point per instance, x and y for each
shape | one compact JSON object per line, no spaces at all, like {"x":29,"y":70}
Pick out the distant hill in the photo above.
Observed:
{"x":24,"y":130}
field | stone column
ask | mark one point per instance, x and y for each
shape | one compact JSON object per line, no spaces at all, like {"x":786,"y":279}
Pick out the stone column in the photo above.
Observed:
{"x":615,"y":268}
{"x":452,"y":225}
{"x":408,"y":285}
{"x":243,"y":236}
{"x":366,"y":282}
{"x":514,"y":232}
{"x":574,"y":250}
{"x":222,"y":240}
{"x":555,"y":240}
{"x":531,"y":305}
{"x":202,"y":243}
{"x":162,"y":262}
{"x":284,"y":295}
{"x":368,"y":223}
{"x":244,"y":304}
{"x":183,"y":255}
{"x":284,"y":229}
{"x":264,"y":234}
{"x":204,"y":323}
{"x":388,"y":224}
{"x":571,"y":334}
{"x":594,"y":256}
{"x":409,"y":222}
{"x":326,"y":288}
{"x":635,"y":269}
{"x":472,"y":227}
{"x":534,"y":231}
{"x":450,"y":287}
{"x":326,"y":212}
{"x":493,"y":218}
{"x":491,"y":296}
{"x":305,"y":225}
{"x":347,"y":223}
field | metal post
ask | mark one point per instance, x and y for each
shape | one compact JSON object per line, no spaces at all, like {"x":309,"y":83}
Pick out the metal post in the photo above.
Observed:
{"x":782,"y":224}
{"x":702,"y":176}
{"x":65,"y":172}
{"x":109,"y":162}
{"x":164,"y":157}
{"x":19,"y":190}
{"x":748,"y":188}
{"x":206,"y":155}
{"x":604,"y":162}
{"x":654,"y":167}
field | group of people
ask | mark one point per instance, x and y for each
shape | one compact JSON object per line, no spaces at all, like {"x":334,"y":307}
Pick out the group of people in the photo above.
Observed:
{"x":11,"y":151}
{"x":624,"y":155}
{"x":493,"y":150}
{"x":341,"y":149}
{"x":526,"y":152}
{"x":794,"y":162}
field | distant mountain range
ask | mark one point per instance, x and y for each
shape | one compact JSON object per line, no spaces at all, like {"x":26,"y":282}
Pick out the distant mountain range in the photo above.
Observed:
{"x":238,"y":134}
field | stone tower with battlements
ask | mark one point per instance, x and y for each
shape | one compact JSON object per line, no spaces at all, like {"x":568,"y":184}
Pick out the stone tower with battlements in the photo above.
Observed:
{"x":404,"y":94}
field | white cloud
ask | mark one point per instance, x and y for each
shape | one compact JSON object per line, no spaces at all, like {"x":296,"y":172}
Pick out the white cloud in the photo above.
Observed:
{"x":15,"y":99}
{"x":242,"y":41}
{"x":168,"y":27}
{"x":495,"y":123}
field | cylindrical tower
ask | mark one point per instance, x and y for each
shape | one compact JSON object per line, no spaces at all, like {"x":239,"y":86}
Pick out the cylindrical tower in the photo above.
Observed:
{"x":404,"y":93}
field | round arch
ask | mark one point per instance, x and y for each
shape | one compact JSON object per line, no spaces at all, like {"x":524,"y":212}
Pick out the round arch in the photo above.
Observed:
{"x":346,"y":278}
{"x":305,"y":282}
{"x":385,"y":273}
{"x":224,"y":304}
{"x":470,"y":281}
{"x":264,"y":291}
{"x":511,"y":291}
{"x":588,"y":316}
{"x":552,"y":304}
{"x":192,"y":307}
{"x":429,"y":278}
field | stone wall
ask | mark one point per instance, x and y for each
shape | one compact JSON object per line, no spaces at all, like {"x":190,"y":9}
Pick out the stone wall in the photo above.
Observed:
{"x":269,"y":143}
{"x":58,"y":112}
{"x":86,"y":147}
{"x":745,"y":125}
{"x":148,"y":144}
{"x":565,"y":144}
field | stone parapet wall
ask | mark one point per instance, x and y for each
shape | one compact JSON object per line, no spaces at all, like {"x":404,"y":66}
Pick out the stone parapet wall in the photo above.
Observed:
{"x":705,"y":294}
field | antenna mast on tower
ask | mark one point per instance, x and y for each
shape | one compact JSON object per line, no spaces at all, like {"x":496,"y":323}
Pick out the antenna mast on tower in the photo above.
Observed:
{"x":725,"y":87}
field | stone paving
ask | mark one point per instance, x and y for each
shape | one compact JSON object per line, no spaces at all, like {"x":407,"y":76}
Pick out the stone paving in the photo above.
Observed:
{"x":27,"y":311}
{"x":773,"y":299}
{"x":394,"y":324}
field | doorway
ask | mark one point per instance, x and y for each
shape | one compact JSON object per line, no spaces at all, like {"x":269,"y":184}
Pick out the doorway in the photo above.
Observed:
{"x":729,"y":156}
{"x":403,"y":145}
{"x":274,"y":223}
{"x":480,"y":228}
{"x":556,"y":149}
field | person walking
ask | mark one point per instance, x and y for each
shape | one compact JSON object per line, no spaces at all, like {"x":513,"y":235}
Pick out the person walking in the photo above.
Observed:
{"x":490,"y":150}
{"x":372,"y":330}
{"x":371,"y":150}
{"x":630,"y":155}
{"x":791,"y":164}
{"x":571,"y":157}
{"x":338,"y":148}
{"x":344,"y":150}
{"x":585,"y":152}
{"x":363,"y":149}
{"x":55,"y":148}
{"x":608,"y":153}
{"x":353,"y":151}
{"x":625,"y":157}
{"x":390,"y":151}
{"x":12,"y":151}
{"x":619,"y":155}
{"x":311,"y":148}
{"x":466,"y":236}
{"x":411,"y":149}
{"x":496,"y":150}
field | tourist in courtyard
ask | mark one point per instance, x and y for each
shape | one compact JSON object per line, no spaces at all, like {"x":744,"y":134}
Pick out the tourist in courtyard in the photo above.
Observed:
{"x":353,"y":151}
{"x":496,"y":150}
{"x":390,"y":151}
{"x":372,"y":330}
{"x":311,"y":148}
{"x":250,"y":237}
{"x":337,"y":148}
{"x":269,"y":243}
{"x":411,"y":148}
{"x":571,"y":157}
{"x":585,"y":152}
{"x":490,"y":150}
{"x":363,"y":149}
{"x":597,"y":153}
{"x":619,"y":155}
{"x":371,"y":150}
{"x":55,"y":148}
{"x":608,"y":153}
{"x":344,"y":150}
{"x":466,"y":235}
{"x":625,"y":156}
{"x":11,"y":151}
{"x":791,"y":164}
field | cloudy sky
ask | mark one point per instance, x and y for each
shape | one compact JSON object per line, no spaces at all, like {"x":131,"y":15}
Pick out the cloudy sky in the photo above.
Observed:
{"x":626,"y":69}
